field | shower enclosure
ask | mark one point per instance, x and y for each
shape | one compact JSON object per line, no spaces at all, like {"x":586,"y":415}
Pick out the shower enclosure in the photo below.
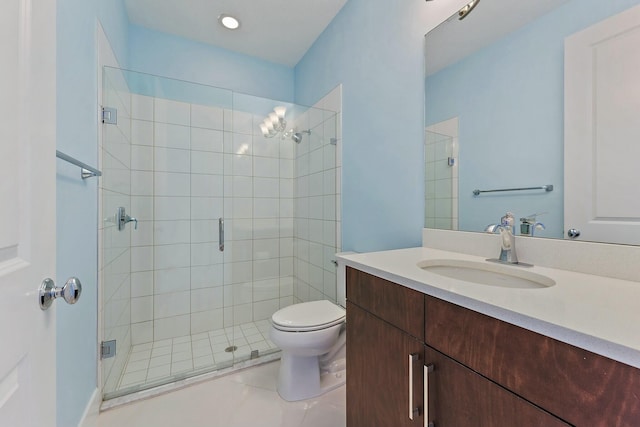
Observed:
{"x":441,"y":175}
{"x":207,"y":226}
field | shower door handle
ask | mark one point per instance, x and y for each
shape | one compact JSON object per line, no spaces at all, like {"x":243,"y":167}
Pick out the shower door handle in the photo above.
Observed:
{"x":221,"y":234}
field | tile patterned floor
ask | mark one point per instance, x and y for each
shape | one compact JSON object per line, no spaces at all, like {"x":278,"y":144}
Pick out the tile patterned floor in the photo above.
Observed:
{"x":151,"y":362}
{"x":247,"y":398}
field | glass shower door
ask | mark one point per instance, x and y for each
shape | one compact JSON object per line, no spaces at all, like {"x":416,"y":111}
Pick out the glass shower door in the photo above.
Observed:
{"x":163,"y":300}
{"x":114,"y":244}
{"x":259,"y":222}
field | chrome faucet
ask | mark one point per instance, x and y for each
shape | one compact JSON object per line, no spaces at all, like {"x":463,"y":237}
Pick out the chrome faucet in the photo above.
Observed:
{"x":508,"y":253}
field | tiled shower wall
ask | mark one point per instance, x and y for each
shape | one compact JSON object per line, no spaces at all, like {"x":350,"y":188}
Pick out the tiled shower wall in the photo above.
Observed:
{"x":191,"y":165}
{"x":317,"y":184}
{"x":441,"y":178}
{"x":113,"y":245}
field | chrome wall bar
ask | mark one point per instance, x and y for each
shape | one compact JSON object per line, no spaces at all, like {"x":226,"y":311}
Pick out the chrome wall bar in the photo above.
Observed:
{"x":542,"y":187}
{"x":86,"y":170}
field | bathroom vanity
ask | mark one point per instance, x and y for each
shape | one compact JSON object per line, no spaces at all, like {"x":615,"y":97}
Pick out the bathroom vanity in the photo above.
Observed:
{"x":451,"y":354}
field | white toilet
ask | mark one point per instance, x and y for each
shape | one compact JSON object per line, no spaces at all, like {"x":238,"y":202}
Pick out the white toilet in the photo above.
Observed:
{"x":312,"y":337}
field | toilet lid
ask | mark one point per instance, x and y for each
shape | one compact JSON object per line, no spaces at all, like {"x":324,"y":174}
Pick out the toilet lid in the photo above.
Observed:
{"x":308,"y":316}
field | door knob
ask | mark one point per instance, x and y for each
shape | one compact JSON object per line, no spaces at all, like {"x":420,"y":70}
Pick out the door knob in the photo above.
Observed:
{"x":49,"y":291}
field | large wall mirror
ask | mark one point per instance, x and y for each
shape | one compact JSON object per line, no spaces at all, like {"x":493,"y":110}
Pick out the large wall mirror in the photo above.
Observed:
{"x":539,"y":99}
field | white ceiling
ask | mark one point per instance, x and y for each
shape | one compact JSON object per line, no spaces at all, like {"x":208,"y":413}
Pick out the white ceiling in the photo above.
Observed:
{"x":279,"y":31}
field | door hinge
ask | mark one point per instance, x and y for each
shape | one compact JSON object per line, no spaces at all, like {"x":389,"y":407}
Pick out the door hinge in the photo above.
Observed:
{"x":109,"y":116}
{"x":107,"y":349}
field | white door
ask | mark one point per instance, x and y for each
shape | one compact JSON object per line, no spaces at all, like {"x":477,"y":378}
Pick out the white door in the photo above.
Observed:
{"x":27,"y":211}
{"x":602,"y":130}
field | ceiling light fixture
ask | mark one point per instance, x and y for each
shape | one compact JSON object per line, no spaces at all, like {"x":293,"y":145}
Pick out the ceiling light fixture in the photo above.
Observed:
{"x":229,"y":22}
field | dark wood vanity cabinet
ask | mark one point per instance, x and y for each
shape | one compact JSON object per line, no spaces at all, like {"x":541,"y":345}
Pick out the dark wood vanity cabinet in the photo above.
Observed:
{"x":576,"y":385}
{"x":485,"y":372}
{"x":460,"y":397}
{"x":378,"y":357}
{"x":382,"y":352}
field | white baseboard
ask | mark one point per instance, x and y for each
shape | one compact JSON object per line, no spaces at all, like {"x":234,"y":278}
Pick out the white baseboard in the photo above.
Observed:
{"x":90,"y":415}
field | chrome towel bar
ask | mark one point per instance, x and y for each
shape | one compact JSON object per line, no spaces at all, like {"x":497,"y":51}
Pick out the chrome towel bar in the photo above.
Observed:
{"x":542,"y":187}
{"x":86,"y":170}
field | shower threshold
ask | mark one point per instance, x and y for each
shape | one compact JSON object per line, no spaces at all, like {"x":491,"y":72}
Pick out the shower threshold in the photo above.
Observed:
{"x":164,"y":363}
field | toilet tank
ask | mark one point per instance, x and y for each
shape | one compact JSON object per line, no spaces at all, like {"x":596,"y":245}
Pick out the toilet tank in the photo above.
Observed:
{"x":341,"y":279}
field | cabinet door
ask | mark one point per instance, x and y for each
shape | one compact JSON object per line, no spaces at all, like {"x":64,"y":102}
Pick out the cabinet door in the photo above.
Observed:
{"x":581,"y":387}
{"x":459,"y":397}
{"x":378,"y":367}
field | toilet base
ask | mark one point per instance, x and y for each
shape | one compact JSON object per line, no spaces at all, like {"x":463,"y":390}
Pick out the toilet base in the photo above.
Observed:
{"x":299,"y":378}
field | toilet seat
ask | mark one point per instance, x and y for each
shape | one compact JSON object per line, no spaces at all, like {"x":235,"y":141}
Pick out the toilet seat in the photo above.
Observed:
{"x":308,"y":316}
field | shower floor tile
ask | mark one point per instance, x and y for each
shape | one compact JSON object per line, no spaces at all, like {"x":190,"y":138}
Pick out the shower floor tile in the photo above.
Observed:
{"x":150,"y":362}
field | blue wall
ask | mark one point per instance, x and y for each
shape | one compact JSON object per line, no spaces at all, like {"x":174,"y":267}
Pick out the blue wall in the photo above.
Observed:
{"x":521,"y":79}
{"x":375,"y":49}
{"x":170,"y":56}
{"x":76,"y":200}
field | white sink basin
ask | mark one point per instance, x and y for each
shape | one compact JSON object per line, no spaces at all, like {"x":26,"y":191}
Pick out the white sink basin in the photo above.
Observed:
{"x":487,"y":273}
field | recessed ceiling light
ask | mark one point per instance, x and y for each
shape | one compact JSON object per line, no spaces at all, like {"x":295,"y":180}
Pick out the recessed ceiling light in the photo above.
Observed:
{"x":228,"y":21}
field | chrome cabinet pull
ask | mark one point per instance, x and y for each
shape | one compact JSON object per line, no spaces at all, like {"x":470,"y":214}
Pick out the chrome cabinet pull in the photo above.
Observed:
{"x":221,"y":234}
{"x":427,"y":370}
{"x":413,"y":411}
{"x":48,"y":292}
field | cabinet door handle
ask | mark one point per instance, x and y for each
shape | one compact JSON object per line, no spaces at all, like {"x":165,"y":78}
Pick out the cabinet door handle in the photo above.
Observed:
{"x":427,"y":370}
{"x":413,"y":412}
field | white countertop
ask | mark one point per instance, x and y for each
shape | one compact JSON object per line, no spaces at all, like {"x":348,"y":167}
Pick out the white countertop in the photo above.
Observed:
{"x":599,"y":314}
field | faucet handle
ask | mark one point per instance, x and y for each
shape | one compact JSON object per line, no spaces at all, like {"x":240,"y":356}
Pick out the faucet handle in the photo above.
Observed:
{"x":123,"y":218}
{"x":131,"y":219}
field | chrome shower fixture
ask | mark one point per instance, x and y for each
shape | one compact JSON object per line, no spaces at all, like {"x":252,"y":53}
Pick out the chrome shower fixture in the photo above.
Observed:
{"x":466,"y":10}
{"x":275,"y":124}
{"x":297,"y":137}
